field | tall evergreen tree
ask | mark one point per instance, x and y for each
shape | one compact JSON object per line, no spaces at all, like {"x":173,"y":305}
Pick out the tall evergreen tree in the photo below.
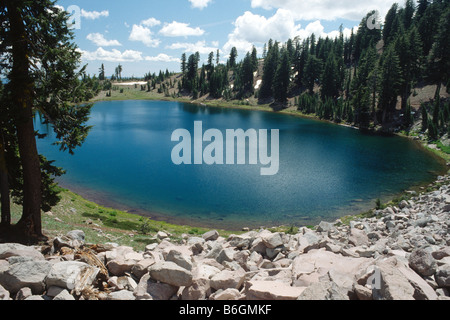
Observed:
{"x":233,"y":57}
{"x":270,"y":68}
{"x":101,"y":74}
{"x":37,"y":31}
{"x":390,"y":83}
{"x":312,"y":72}
{"x":330,"y":79}
{"x":183,"y":63}
{"x":282,"y":78}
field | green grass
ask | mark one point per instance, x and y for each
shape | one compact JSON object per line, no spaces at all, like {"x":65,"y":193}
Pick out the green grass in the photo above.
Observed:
{"x":445,"y":149}
{"x":102,"y":224}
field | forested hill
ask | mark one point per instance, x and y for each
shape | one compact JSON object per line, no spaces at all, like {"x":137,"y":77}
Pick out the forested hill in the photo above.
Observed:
{"x":388,"y":75}
{"x":366,"y":79}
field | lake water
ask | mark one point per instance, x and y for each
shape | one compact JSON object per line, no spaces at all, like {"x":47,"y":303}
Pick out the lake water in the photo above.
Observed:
{"x":326,"y":171}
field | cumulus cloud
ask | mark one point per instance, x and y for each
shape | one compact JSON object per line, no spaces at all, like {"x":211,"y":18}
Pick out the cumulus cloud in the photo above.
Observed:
{"x":143,"y":34}
{"x":199,"y":46}
{"x":112,"y":56}
{"x":99,"y":40}
{"x":200,"y":4}
{"x":252,"y":29}
{"x":178,"y":29}
{"x":151,"y":22}
{"x":326,"y":9}
{"x":162,"y":57}
{"x":93,"y":15}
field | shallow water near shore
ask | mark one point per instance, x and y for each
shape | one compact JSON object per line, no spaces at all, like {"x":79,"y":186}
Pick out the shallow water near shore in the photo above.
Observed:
{"x":326,"y":171}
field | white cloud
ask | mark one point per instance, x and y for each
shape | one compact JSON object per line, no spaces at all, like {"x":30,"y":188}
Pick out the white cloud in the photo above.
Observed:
{"x":93,"y":15}
{"x":200,"y":4}
{"x":327,"y":9}
{"x":199,"y":46}
{"x":151,"y":22}
{"x":112,"y":56}
{"x":144,"y":35}
{"x":253,"y":30}
{"x":178,"y":29}
{"x":162,"y":57}
{"x":99,"y":40}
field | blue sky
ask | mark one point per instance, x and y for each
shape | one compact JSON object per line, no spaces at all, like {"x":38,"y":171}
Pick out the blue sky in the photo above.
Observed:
{"x":149,"y":35}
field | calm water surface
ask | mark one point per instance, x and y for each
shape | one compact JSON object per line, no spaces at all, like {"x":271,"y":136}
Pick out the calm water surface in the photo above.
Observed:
{"x":326,"y":171}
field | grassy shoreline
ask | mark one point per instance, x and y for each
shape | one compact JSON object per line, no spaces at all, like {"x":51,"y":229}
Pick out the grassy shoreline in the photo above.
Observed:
{"x":102,"y":224}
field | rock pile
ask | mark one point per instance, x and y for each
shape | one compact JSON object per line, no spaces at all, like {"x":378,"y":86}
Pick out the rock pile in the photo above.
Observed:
{"x":402,"y":253}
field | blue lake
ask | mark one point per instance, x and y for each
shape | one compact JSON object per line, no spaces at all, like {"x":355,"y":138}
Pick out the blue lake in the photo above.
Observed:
{"x":325,"y":172}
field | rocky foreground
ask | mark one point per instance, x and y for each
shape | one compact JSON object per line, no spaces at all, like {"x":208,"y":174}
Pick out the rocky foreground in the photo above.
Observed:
{"x":403,"y":253}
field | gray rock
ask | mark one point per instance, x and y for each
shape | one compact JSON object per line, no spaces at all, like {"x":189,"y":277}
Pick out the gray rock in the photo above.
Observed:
{"x":362,"y":292}
{"x":199,"y":290}
{"x":148,"y":289}
{"x":35,"y":298}
{"x":23,"y":294}
{"x":4,"y":294}
{"x":228,"y":279}
{"x":141,"y":268}
{"x":422,"y":262}
{"x":122,"y":295}
{"x":183,"y":260}
{"x":327,"y":290}
{"x":358,"y":237}
{"x":309,"y":241}
{"x":119,"y":267}
{"x":77,"y":235}
{"x":211,"y":235}
{"x":241,"y":242}
{"x":170,"y":273}
{"x":441,"y":253}
{"x":226,"y":254}
{"x":389,"y":283}
{"x":442,"y":276}
{"x":214,"y":251}
{"x":226,"y":295}
{"x":30,"y":274}
{"x":64,"y":295}
{"x":325,"y":226}
{"x":53,"y":291}
{"x":271,"y":240}
{"x":8,"y":250}
{"x":69,"y":274}
{"x":271,"y":290}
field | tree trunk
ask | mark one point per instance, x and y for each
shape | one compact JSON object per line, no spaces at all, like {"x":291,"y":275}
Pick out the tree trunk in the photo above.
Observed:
{"x":22,"y":99}
{"x":4,"y":187}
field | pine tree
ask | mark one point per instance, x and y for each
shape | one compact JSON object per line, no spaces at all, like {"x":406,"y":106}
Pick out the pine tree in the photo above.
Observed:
{"x":101,"y":75}
{"x":330,"y":78}
{"x":440,"y":54}
{"x":389,"y":30}
{"x":312,"y":72}
{"x":270,"y":68}
{"x":233,"y":57}
{"x":390,"y":83}
{"x":254,"y":59}
{"x":183,"y":63}
{"x":282,"y":78}
{"x":49,"y":88}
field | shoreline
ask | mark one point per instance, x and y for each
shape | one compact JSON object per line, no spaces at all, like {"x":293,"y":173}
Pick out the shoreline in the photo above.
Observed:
{"x":103,"y":200}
